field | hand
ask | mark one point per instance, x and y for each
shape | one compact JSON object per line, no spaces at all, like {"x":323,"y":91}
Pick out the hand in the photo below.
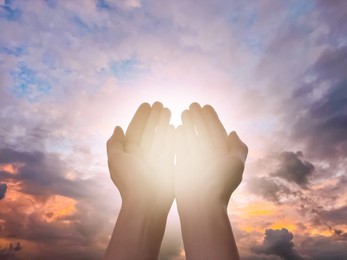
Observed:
{"x":141,"y":166}
{"x":209,"y":167}
{"x":209,"y":162}
{"x":141,"y":162}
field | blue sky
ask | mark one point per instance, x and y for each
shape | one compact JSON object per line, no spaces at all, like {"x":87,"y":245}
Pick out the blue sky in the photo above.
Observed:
{"x":72,"y":70}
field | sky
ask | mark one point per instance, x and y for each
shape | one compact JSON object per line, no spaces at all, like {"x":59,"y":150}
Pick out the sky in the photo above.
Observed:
{"x":275,"y":71}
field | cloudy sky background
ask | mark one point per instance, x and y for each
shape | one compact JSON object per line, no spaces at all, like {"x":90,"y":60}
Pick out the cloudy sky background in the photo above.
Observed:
{"x":275,"y":71}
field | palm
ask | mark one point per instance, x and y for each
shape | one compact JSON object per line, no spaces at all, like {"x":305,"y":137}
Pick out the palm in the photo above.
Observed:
{"x":216,"y":178}
{"x":141,"y":162}
{"x":211,"y":164}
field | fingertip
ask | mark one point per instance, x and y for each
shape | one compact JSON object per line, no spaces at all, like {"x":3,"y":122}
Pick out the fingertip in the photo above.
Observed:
{"x":194,"y":105}
{"x":157,"y":104}
{"x":186,"y":111}
{"x":143,"y":109}
{"x":118,"y":133}
{"x":233,"y":137}
{"x":145,"y":105}
{"x":233,"y":134}
{"x":185,"y":114}
{"x":116,"y":140}
{"x":167,"y":111}
{"x":207,"y":107}
{"x":118,"y":129}
{"x":209,"y":111}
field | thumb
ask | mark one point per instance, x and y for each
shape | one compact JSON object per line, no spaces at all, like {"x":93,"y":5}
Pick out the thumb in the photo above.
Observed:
{"x":115,"y":143}
{"x":237,"y":147}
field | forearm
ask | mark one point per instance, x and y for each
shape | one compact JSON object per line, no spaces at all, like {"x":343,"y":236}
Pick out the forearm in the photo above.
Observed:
{"x":138,"y":233}
{"x":206,"y":231}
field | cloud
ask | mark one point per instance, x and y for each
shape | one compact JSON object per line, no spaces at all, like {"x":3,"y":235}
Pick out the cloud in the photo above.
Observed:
{"x":10,"y":251}
{"x":41,"y":174}
{"x":75,"y":236}
{"x":323,"y":248}
{"x":285,"y":175}
{"x":60,"y":214}
{"x":340,"y":234}
{"x":274,"y":71}
{"x":335,"y":216}
{"x":278,"y":242}
{"x":310,"y":80}
{"x":3,"y":188}
{"x":325,"y":135}
{"x":268,"y":188}
{"x":333,"y":16}
{"x":321,"y":124}
{"x":294,"y":169}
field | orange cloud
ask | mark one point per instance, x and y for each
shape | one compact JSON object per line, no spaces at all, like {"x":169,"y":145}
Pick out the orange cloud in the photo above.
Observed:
{"x":255,"y":209}
{"x":57,"y":207}
{"x":54,"y":208}
{"x":11,"y":168}
{"x":284,"y":223}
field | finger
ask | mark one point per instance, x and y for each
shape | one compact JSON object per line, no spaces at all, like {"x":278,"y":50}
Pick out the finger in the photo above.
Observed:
{"x":191,"y":136}
{"x":216,"y":128}
{"x":150,"y":128}
{"x":180,"y":145}
{"x":204,"y":137}
{"x":169,"y":147}
{"x":115,"y":143}
{"x":237,"y":147}
{"x":160,"y":133}
{"x":137,"y":124}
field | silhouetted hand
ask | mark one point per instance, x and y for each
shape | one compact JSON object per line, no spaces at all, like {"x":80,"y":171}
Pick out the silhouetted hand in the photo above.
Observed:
{"x":141,"y":166}
{"x":209,"y":168}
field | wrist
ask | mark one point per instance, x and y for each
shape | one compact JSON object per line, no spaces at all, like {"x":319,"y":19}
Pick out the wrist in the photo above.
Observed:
{"x":145,"y":209}
{"x":197,"y":206}
{"x":206,"y":230}
{"x":199,"y":200}
{"x":138,"y":226}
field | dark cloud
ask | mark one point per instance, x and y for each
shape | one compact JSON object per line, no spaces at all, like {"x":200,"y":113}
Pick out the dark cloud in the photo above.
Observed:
{"x":333,"y":15}
{"x":334,"y":216}
{"x":324,"y":248}
{"x":340,"y":234}
{"x":42,"y":175}
{"x":10,"y":251}
{"x":268,"y":188}
{"x":285,"y":169}
{"x":294,"y":169}
{"x":278,"y":242}
{"x":3,"y":189}
{"x":313,"y":100}
{"x":335,"y":189}
{"x":82,"y":238}
{"x":323,"y":126}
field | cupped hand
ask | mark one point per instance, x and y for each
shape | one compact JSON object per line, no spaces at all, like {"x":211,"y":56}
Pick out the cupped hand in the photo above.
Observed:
{"x":209,"y":162}
{"x":141,"y":161}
